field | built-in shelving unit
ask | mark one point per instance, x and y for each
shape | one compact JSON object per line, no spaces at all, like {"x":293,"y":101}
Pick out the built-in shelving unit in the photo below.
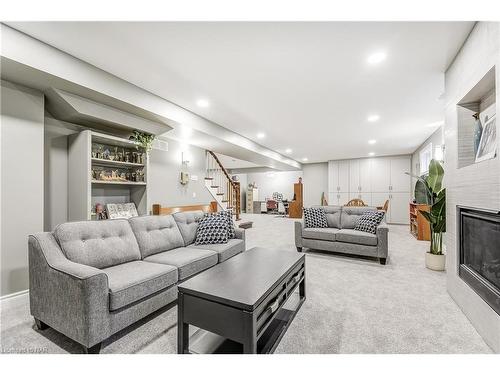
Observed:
{"x":97,"y":174}
{"x":419,"y":226}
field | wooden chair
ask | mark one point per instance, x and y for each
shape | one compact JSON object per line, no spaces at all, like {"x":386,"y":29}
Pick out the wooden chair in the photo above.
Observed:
{"x":356,"y":202}
{"x":385,"y":207}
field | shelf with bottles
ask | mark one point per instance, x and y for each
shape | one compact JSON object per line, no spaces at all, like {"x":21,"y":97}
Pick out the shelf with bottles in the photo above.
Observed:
{"x":100,"y":174}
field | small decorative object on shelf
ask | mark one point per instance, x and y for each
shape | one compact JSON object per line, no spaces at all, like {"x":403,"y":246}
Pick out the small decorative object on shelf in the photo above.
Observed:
{"x":100,"y":212}
{"x":143,"y":139}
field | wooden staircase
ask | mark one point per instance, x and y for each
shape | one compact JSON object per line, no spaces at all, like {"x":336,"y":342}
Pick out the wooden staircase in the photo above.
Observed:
{"x":221,"y":186}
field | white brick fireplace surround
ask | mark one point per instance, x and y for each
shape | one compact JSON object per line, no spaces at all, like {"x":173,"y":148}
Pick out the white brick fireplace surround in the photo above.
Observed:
{"x":476,"y":185}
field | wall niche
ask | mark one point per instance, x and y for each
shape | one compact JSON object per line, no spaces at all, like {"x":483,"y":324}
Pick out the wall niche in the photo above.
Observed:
{"x":474,"y":113}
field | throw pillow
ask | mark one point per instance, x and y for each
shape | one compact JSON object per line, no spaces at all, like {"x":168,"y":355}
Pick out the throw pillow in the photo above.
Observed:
{"x":212,"y":230}
{"x":315,"y":218}
{"x":230,"y":223}
{"x":369,"y":221}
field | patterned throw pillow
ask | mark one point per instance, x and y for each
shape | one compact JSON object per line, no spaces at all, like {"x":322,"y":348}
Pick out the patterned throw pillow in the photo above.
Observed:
{"x":369,"y":221}
{"x":212,"y":230}
{"x":230,"y":224}
{"x":315,"y":218}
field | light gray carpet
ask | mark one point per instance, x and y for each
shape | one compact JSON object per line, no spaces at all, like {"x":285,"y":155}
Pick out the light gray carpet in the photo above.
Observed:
{"x":353,"y":306}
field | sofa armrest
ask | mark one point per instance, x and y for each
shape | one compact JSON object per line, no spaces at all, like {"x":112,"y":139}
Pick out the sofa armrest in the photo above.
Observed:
{"x":299,"y":225}
{"x":382,"y":240}
{"x":70,"y":297}
{"x":239,"y":233}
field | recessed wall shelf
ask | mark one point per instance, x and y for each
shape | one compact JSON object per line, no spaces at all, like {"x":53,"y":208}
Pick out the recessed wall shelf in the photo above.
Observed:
{"x":86,"y":190}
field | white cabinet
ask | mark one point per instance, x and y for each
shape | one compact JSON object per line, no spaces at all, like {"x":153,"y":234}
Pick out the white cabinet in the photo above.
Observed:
{"x":400,"y":182}
{"x":381,"y":174}
{"x":374,"y":181}
{"x":399,"y":208}
{"x":338,"y":176}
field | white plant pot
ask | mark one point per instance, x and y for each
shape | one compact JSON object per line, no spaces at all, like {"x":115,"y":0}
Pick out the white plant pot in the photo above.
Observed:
{"x":435,"y":262}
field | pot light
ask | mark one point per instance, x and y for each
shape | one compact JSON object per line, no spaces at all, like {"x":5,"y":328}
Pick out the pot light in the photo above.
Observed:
{"x":372,"y":141}
{"x":376,"y":57}
{"x":288,"y":150}
{"x":373,"y":118}
{"x":203,"y":103}
{"x":261,"y":135}
{"x":305,"y":159}
{"x":371,"y":154}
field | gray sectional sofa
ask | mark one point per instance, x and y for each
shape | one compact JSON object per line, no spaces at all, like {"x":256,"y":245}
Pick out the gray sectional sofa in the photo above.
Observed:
{"x":340,"y":235}
{"x":90,"y":279}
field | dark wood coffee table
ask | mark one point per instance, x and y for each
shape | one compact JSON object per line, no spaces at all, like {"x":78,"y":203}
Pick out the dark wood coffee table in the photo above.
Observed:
{"x":244,"y":305}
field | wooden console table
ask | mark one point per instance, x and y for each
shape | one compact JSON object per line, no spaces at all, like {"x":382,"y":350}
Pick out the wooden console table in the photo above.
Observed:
{"x":419,"y":226}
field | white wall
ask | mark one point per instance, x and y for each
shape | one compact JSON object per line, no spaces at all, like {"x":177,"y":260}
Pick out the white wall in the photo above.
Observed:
{"x":270,"y":182}
{"x":22,"y":155}
{"x":476,"y":185}
{"x":315,"y":179}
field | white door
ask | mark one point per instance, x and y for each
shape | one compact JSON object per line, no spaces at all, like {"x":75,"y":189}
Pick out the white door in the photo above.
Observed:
{"x":343,"y":181}
{"x":399,"y":208}
{"x":366,"y":197}
{"x":354,"y":176}
{"x":333,"y":199}
{"x":400,"y":182}
{"x":333,"y":176}
{"x":378,"y":199}
{"x":343,"y":199}
{"x":365,"y":175}
{"x":381,"y":175}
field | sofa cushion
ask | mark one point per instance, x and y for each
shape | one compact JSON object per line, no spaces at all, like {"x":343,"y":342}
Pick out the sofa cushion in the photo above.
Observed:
{"x":156,"y":234}
{"x":327,"y":234}
{"x":356,"y":237}
{"x":314,"y":217}
{"x":332,"y":215}
{"x":369,"y":221}
{"x":188,"y":260}
{"x":350,"y":216}
{"x":99,"y":244}
{"x":226,"y":250}
{"x":130,"y":282}
{"x":213,"y":229}
{"x":188,"y":224}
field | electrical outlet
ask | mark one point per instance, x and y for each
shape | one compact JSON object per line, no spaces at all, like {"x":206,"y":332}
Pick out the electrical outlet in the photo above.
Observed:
{"x":194,"y":195}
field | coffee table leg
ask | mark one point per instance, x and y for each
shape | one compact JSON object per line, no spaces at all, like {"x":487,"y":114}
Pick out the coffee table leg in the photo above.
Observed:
{"x":250,"y":343}
{"x":182,"y":328}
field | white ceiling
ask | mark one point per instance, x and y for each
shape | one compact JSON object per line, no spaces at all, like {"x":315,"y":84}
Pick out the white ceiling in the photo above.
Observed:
{"x":307,"y":86}
{"x":233,"y":163}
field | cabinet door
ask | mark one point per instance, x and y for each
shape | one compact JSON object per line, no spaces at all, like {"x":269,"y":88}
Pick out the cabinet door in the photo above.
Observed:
{"x":333,"y":176}
{"x":378,"y":199}
{"x":381,"y":175}
{"x":365,"y":175}
{"x":333,"y":199}
{"x":400,"y":182}
{"x":343,"y":176}
{"x":399,"y":208}
{"x":354,"y":176}
{"x":343,"y":199}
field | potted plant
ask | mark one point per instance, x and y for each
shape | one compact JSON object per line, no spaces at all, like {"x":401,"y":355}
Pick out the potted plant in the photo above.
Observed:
{"x":429,"y":190}
{"x":145,"y":140}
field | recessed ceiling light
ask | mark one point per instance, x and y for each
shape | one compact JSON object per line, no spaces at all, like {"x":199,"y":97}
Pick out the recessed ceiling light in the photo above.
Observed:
{"x":202,"y":103}
{"x":435,"y":124}
{"x":288,"y":150}
{"x":305,"y":159}
{"x":376,"y":57}
{"x":372,"y":141}
{"x":371,"y":154}
{"x":261,"y":135}
{"x":373,"y":118}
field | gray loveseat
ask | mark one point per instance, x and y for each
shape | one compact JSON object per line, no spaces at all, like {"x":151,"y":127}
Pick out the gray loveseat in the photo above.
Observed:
{"x":90,"y":279}
{"x":340,"y":235}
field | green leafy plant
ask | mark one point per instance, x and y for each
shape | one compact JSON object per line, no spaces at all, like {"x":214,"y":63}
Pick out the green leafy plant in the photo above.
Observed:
{"x":430,"y":189}
{"x":145,"y":140}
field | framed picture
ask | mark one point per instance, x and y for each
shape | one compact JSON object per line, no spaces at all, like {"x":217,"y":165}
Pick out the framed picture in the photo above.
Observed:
{"x":488,"y":145}
{"x":121,"y":210}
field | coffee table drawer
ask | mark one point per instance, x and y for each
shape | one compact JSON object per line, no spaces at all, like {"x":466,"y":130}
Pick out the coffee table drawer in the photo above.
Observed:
{"x":267,"y":310}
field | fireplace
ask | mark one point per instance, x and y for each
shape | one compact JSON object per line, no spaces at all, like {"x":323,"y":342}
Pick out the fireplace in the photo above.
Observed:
{"x":479,"y":252}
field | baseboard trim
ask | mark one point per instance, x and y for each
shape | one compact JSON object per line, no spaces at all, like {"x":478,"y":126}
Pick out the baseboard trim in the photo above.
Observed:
{"x":14,"y":295}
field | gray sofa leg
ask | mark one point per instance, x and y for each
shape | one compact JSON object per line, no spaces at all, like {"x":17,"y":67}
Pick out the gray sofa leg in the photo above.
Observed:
{"x":383,"y":260}
{"x":40,"y":325}
{"x":299,"y":249}
{"x":93,"y":349}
